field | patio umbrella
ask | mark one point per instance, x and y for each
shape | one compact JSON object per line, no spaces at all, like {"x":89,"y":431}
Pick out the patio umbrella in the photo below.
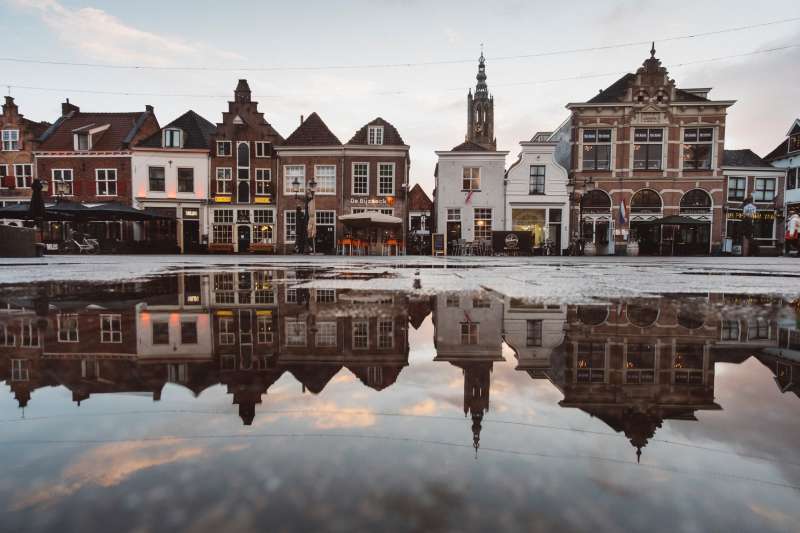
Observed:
{"x":66,"y":210}
{"x":36,"y":207}
{"x":118,"y":211}
{"x":363,"y":220}
{"x":16,"y":212}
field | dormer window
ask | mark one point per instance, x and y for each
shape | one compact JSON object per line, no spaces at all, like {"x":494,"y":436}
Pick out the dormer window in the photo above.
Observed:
{"x":375,"y":135}
{"x":172,"y":138}
{"x":81,"y":141}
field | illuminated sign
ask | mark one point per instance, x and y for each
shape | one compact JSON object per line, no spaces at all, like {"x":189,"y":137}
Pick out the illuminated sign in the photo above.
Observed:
{"x":263,"y":200}
{"x":222,"y":199}
{"x":191,"y":213}
{"x":759,"y":215}
{"x":383,"y":200}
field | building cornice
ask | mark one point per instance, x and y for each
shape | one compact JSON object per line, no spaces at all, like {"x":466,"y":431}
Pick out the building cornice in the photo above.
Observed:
{"x":709,"y":103}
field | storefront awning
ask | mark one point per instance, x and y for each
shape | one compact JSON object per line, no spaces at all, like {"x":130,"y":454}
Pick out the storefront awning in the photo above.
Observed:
{"x":362,"y":220}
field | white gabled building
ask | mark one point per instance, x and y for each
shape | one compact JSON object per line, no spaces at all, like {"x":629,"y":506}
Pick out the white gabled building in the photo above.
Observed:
{"x":170,"y":178}
{"x":787,"y":156}
{"x":537,"y":199}
{"x":469,"y":199}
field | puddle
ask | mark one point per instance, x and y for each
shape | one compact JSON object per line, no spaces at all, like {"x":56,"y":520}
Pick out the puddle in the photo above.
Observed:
{"x":262,"y":398}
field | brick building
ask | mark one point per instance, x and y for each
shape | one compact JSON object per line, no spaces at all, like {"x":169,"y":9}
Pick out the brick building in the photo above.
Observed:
{"x":17,"y":143}
{"x":87,"y":157}
{"x":243,"y":163}
{"x":643,"y":149}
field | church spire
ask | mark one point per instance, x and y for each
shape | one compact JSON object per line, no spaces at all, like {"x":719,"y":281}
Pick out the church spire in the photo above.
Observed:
{"x":480,"y":111}
{"x":481,"y":89}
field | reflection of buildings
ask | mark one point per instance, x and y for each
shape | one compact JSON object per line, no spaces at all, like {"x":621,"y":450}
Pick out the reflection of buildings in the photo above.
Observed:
{"x":240,"y":329}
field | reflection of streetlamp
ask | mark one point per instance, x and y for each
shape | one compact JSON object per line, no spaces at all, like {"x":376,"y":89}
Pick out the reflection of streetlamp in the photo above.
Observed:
{"x":301,"y":215}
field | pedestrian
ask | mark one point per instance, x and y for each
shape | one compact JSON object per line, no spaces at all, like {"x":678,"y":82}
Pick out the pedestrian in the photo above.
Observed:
{"x":792,"y":237}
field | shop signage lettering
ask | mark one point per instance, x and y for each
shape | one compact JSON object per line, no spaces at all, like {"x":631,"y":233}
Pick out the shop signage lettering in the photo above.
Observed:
{"x":191,"y":213}
{"x":387,"y":200}
{"x":759,"y":215}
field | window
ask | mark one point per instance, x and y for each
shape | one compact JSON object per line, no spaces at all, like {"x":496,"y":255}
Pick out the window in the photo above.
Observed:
{"x":62,"y":182}
{"x":160,"y":333}
{"x":111,"y":329}
{"x":295,"y":332}
{"x":360,"y":179}
{"x":697,"y":144}
{"x":82,"y":141}
{"x":19,"y":370}
{"x":454,"y":214}
{"x":360,"y":334}
{"x":471,"y":179}
{"x":189,"y":332}
{"x":325,"y":296}
{"x":224,"y":177}
{"x":375,"y":135}
{"x":688,"y":364}
{"x":385,"y":333}
{"x":737,"y":187}
{"x":172,"y":138}
{"x":10,"y":140}
{"x":597,"y":149}
{"x":730,"y":330}
{"x":590,"y":362}
{"x":224,"y":148}
{"x":640,"y":363}
{"x":263,"y":228}
{"x":106,"y":181}
{"x":758,"y":329}
{"x":647,"y":148}
{"x":263,"y":181}
{"x":385,"y":179}
{"x":264,"y":330}
{"x":483,"y":223}
{"x":243,"y":160}
{"x":157,"y":179}
{"x":226,"y":334}
{"x":326,"y":218}
{"x":481,"y":303}
{"x":290,"y":225}
{"x":262,"y":149}
{"x":452,"y":300}
{"x":292,"y":173}
{"x":29,"y":334}
{"x":325,"y":176}
{"x":6,"y":338}
{"x":791,"y":177}
{"x":67,"y":328}
{"x":24,"y":175}
{"x":764,"y":190}
{"x":222,"y":231}
{"x":534,"y":333}
{"x":3,"y":174}
{"x":326,"y":334}
{"x":469,"y":333}
{"x":185,"y":180}
{"x":178,"y":373}
{"x":536,"y":184}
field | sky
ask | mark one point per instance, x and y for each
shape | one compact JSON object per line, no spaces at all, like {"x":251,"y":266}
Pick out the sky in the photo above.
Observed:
{"x":287,"y":50}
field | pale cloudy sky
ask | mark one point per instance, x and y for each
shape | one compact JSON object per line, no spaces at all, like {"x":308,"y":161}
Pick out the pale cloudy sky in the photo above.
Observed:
{"x":427,"y":103}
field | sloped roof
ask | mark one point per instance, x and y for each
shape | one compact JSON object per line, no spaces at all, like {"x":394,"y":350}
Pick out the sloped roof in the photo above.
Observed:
{"x":198,"y":132}
{"x":616,"y":92}
{"x":743,"y":158}
{"x":38,"y":128}
{"x":122,"y":128}
{"x":782,"y":150}
{"x":418,"y":199}
{"x":469,"y":146}
{"x":312,"y":132}
{"x":391,"y":136}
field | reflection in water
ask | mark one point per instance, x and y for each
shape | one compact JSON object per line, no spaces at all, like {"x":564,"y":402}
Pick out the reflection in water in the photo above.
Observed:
{"x":632,"y":364}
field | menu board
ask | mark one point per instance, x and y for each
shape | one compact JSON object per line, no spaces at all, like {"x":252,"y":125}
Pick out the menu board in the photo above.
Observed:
{"x":438,"y":244}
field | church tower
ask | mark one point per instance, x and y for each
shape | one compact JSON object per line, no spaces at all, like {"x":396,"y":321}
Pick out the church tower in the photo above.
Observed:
{"x":480,"y":111}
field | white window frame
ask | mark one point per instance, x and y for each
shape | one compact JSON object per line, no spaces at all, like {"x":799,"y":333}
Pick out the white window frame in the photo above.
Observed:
{"x":230,"y":148}
{"x":114,"y":334}
{"x":452,"y":211}
{"x":106,"y":181}
{"x":20,"y":370}
{"x":63,"y":181}
{"x":286,"y":225}
{"x":765,"y":180}
{"x":473,"y":334}
{"x":64,"y":335}
{"x":262,"y":181}
{"x":380,"y":186}
{"x":385,"y":334}
{"x":224,"y":175}
{"x":288,"y":178}
{"x":27,"y":179}
{"x":262,"y":149}
{"x":728,"y":189}
{"x":327,"y":334}
{"x":375,"y":135}
{"x":170,"y":136}
{"x":10,"y":144}
{"x":471,"y":178}
{"x":357,"y":322}
{"x":300,"y":332}
{"x":28,"y":334}
{"x":353,"y":190}
{"x":475,"y":220}
{"x":318,"y":191}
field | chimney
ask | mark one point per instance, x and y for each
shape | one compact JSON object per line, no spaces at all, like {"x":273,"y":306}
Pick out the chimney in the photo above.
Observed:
{"x":67,"y":108}
{"x":9,"y":101}
{"x":148,"y":108}
{"x":301,"y":120}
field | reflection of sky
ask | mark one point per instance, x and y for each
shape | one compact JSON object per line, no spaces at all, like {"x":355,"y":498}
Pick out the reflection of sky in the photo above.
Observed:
{"x":354,"y":458}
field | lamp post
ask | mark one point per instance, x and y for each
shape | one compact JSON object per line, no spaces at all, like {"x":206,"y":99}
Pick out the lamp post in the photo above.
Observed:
{"x":301,"y":214}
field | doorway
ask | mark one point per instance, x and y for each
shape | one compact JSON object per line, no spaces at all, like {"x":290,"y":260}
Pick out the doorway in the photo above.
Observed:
{"x":191,"y":236}
{"x":243,"y":238}
{"x":453,"y":234}
{"x":325,"y":241}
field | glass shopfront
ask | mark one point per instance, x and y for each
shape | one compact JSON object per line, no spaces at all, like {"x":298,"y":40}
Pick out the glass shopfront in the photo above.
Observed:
{"x":532,"y":221}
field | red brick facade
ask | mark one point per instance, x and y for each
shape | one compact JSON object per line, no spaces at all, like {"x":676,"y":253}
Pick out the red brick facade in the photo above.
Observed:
{"x":17,"y":166}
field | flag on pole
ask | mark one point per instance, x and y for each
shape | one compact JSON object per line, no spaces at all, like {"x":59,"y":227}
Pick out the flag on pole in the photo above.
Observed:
{"x":623,"y":217}
{"x":469,"y":197}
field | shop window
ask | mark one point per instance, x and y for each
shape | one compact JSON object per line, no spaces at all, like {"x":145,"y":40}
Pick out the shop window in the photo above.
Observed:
{"x":483,"y":224}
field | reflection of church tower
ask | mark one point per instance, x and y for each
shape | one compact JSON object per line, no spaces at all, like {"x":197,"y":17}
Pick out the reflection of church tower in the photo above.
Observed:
{"x":480,"y":112}
{"x":476,"y":394}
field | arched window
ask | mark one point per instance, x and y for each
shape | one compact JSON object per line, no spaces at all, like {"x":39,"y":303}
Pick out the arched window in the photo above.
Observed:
{"x":592,"y":315}
{"x":646,"y":201}
{"x":690,"y":318}
{"x":243,"y":153}
{"x":642,"y":314}
{"x":597,"y":201}
{"x":243,"y":192}
{"x":696,"y":199}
